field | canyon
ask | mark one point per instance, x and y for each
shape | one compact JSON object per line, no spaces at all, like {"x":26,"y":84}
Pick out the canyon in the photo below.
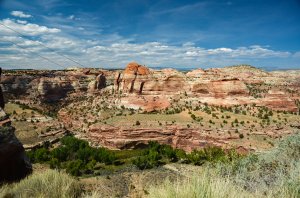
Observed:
{"x":183,"y":109}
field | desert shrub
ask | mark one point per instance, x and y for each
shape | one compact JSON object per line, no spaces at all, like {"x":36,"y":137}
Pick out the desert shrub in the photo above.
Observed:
{"x":241,"y":135}
{"x":209,"y":154}
{"x":275,"y":172}
{"x":150,"y":160}
{"x":50,"y":184}
{"x":75,"y":167}
{"x":40,"y":155}
{"x":157,"y":154}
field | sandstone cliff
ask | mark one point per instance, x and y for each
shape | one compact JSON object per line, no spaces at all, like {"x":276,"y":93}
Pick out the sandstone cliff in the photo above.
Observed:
{"x":141,"y":86}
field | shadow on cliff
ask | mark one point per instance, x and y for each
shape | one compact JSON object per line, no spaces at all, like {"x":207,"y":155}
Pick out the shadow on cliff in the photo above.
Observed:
{"x":14,"y":165}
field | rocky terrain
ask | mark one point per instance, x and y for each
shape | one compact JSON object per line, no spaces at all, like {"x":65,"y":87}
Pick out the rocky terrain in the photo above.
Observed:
{"x":13,"y":162}
{"x":239,"y":106}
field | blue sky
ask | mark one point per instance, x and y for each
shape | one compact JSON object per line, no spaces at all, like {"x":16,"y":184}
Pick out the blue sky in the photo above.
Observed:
{"x":167,"y":33}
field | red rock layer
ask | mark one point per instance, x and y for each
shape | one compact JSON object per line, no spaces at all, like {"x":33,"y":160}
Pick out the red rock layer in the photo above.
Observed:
{"x":128,"y":138}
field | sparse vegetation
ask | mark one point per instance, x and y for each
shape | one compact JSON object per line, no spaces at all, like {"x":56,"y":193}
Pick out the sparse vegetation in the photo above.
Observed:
{"x":271,"y":174}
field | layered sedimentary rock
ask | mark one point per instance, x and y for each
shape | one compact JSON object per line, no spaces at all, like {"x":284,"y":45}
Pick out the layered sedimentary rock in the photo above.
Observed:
{"x":217,"y":86}
{"x":226,"y":87}
{"x":139,"y":87}
{"x":52,"y":86}
{"x":133,"y":78}
{"x":221,"y":88}
{"x":279,"y":100}
{"x":129,"y":138}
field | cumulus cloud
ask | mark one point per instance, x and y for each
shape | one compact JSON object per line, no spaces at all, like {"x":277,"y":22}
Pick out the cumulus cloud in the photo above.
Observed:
{"x":20,"y":14}
{"x":29,"y":29}
{"x":114,"y":50}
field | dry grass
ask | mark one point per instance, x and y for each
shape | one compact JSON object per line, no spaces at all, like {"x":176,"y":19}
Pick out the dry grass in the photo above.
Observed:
{"x":49,"y":184}
{"x":275,"y":173}
{"x":272,"y":174}
{"x":199,"y":186}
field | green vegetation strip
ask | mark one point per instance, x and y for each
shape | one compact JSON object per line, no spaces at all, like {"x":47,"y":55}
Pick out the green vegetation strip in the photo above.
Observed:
{"x":78,"y":158}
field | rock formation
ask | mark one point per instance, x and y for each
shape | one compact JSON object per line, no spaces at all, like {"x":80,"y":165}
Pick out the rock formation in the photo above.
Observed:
{"x":224,"y":87}
{"x":14,"y":165}
{"x":140,"y":87}
{"x":279,"y":100}
{"x":221,"y":88}
{"x":133,"y":79}
{"x":13,"y":162}
{"x":129,"y":138}
{"x":98,"y":83}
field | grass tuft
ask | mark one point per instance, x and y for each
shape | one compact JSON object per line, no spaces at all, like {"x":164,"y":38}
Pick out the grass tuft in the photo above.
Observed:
{"x":49,"y":184}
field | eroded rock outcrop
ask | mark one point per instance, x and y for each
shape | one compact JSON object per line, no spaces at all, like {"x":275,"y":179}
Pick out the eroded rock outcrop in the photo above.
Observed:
{"x":129,"y":138}
{"x":133,"y":78}
{"x":279,"y":100}
{"x":217,"y":86}
{"x":52,"y":86}
{"x":221,"y":88}
{"x":13,"y":162}
{"x":97,"y":84}
{"x":14,"y":165}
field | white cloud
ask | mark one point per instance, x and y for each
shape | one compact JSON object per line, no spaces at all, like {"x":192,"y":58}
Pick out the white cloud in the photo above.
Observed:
{"x":254,"y":51}
{"x":21,"y":21}
{"x":20,"y":14}
{"x":114,"y":50}
{"x":27,"y":29}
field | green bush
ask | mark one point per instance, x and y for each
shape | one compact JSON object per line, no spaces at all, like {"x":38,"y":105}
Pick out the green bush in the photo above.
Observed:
{"x":75,"y":167}
{"x":73,"y":155}
{"x":209,"y":154}
{"x":157,"y":154}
